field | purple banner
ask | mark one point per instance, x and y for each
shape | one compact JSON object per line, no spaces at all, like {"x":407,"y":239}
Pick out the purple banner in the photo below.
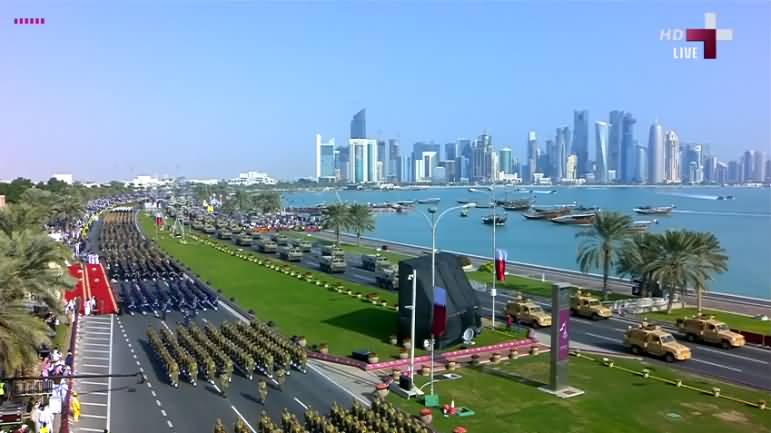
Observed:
{"x":564,"y":334}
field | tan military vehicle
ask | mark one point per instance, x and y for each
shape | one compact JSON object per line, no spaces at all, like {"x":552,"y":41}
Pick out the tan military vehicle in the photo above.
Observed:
{"x":245,"y":239}
{"x":265,"y":245}
{"x":709,"y":330}
{"x":332,"y":264}
{"x":583,"y":304}
{"x":281,"y":240}
{"x":387,"y":277}
{"x":304,"y":245}
{"x":528,"y":312}
{"x":652,"y":340}
{"x":290,"y":253}
{"x":332,"y":250}
{"x":373,"y":262}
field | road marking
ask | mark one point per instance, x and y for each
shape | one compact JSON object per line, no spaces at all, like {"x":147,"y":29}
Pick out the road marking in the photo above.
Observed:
{"x":95,"y":344}
{"x":86,"y":334}
{"x":85,"y":415}
{"x":149,"y":385}
{"x":135,"y":355}
{"x":86,"y":337}
{"x":129,"y":345}
{"x":90,"y":429}
{"x":163,"y":412}
{"x":243,"y":419}
{"x":152,"y":391}
{"x":92,"y":404}
{"x":90,"y":373}
{"x":99,"y":358}
{"x":97,"y":350}
{"x":170,"y":424}
{"x":158,"y":402}
{"x":94,"y":383}
{"x":731,"y":355}
{"x":142,"y":369}
{"x":301,"y":403}
{"x":138,"y":363}
{"x":715,"y":364}
{"x":602,"y":337}
{"x":94,"y":365}
{"x":94,"y":393}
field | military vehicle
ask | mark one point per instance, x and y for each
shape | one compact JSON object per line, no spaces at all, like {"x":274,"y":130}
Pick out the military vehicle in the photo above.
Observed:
{"x":709,"y":330}
{"x":265,"y":245}
{"x":583,"y":304}
{"x":224,"y":233}
{"x":652,"y":340}
{"x":332,"y":250}
{"x":197,"y":225}
{"x":332,"y":264}
{"x":305,"y":246}
{"x":221,"y":223}
{"x":209,"y":229}
{"x":526,"y":311}
{"x":235,"y":228}
{"x":373,"y":262}
{"x":387,"y":277}
{"x":244,"y":239}
{"x":290,"y":253}
{"x":281,"y":240}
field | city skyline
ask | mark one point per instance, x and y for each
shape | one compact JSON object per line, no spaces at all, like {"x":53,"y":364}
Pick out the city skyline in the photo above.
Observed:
{"x":173,"y":99}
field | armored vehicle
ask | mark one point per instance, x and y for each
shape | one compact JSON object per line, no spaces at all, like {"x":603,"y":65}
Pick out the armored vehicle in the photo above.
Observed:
{"x":709,"y":330}
{"x":652,"y":340}
{"x":583,"y":304}
{"x":528,"y":312}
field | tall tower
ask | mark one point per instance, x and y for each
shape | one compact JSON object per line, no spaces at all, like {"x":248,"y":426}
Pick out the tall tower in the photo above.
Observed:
{"x":656,"y":154}
{"x":325,"y":160}
{"x":561,"y":152}
{"x":672,"y":147}
{"x":532,"y":154}
{"x":628,"y":150}
{"x":615,"y":138}
{"x":504,"y":160}
{"x":581,"y":140}
{"x":601,"y":161}
{"x":359,"y":124}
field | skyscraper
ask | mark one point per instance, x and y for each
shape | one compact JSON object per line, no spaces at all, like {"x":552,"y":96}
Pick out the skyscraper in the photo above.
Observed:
{"x":734,"y":175}
{"x":628,"y":150}
{"x":602,"y":157}
{"x":759,"y":171}
{"x":693,"y":163}
{"x":642,"y":167}
{"x":325,"y":160}
{"x":359,"y":124}
{"x":394,"y":161}
{"x":562,"y":149}
{"x":656,"y":154}
{"x":451,"y":151}
{"x":710,"y":169}
{"x":481,"y":163}
{"x":504,"y":159}
{"x":382,"y":159}
{"x":672,"y":160}
{"x":571,"y":167}
{"x":532,"y":153}
{"x":748,"y":163}
{"x":581,"y":140}
{"x":342,"y":163}
{"x":363,"y":160}
{"x":721,"y":173}
{"x":615,"y":138}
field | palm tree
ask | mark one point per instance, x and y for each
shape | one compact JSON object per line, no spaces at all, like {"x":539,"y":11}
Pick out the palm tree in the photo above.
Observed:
{"x":66,"y":210}
{"x":336,"y":217}
{"x":602,"y":244}
{"x":634,"y":257}
{"x":710,"y":257}
{"x":675,"y":265}
{"x":362,"y":220}
{"x":21,"y":336}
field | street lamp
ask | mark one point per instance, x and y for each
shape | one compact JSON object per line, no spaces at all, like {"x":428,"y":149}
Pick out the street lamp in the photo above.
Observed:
{"x":433,"y":222}
{"x":493,"y":291}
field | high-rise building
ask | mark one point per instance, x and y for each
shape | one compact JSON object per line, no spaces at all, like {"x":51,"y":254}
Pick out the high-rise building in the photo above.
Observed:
{"x":759,"y":171}
{"x":629,"y":153}
{"x":562,"y":149}
{"x":424,"y":165}
{"x":451,"y":174}
{"x":359,"y":124}
{"x":642,"y":167}
{"x":571,"y":168}
{"x":656,"y":154}
{"x":672,"y":158}
{"x":602,"y":157}
{"x":363,"y":161}
{"x":721,"y":173}
{"x":394,"y":161}
{"x":504,"y":158}
{"x":692,"y":163}
{"x":343,"y":163}
{"x":532,"y":153}
{"x":748,"y":163}
{"x":581,"y":140}
{"x":768,"y":170}
{"x":481,"y":163}
{"x":710,"y":169}
{"x":734,"y":174}
{"x":615,"y":137}
{"x":325,"y":160}
{"x":462,"y":169}
{"x":451,"y":151}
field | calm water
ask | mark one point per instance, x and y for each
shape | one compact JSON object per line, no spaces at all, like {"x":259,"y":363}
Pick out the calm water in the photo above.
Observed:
{"x":743,"y":225}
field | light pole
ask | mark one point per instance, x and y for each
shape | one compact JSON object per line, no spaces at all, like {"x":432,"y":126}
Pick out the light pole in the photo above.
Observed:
{"x":493,"y":291}
{"x":433,"y":222}
{"x":414,"y":278}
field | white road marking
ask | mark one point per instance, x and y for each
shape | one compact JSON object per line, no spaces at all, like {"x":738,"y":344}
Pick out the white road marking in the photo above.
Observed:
{"x":149,"y":385}
{"x":89,"y":372}
{"x":85,"y":415}
{"x":94,"y":383}
{"x":99,"y":358}
{"x":90,"y":429}
{"x":92,"y":404}
{"x":731,"y":355}
{"x":715,"y":364}
{"x":95,"y":365}
{"x":170,"y":424}
{"x":97,"y":350}
{"x":94,"y":393}
{"x":109,"y":369}
{"x":243,"y":419}
{"x":158,"y":402}
{"x":135,"y":355}
{"x":301,"y":403}
{"x":347,"y":391}
{"x":152,"y":391}
{"x":86,"y":334}
{"x":602,"y":337}
{"x":163,"y":412}
{"x":138,"y":363}
{"x":142,"y":369}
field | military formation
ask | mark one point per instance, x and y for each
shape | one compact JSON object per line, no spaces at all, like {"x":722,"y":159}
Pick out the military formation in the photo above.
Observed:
{"x":164,"y":358}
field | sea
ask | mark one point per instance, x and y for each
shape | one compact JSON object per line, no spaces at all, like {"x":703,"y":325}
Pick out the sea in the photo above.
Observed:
{"x":742,"y":224}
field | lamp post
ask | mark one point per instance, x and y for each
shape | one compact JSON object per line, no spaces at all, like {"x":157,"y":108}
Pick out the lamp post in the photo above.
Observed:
{"x":433,"y":222}
{"x":493,"y":291}
{"x":414,"y":278}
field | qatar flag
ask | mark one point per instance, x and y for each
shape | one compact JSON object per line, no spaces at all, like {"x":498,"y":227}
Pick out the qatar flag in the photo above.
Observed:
{"x":500,"y":264}
{"x":158,"y":219}
{"x":439,"y":324}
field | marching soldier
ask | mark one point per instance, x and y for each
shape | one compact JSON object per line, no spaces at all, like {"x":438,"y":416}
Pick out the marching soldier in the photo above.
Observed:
{"x":262,"y":388}
{"x":280,"y":377}
{"x":224,"y":384}
{"x":219,"y":427}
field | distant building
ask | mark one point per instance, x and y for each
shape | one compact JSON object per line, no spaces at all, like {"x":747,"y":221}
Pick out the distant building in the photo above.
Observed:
{"x":359,"y":124}
{"x":504,"y":159}
{"x":424,"y":166}
{"x":451,"y":151}
{"x":601,"y":152}
{"x":571,"y":168}
{"x":628,"y":162}
{"x":394,"y":161}
{"x":532,"y":153}
{"x":642,"y":168}
{"x":734,"y":175}
{"x":66,"y":178}
{"x":342,"y":162}
{"x":615,"y":137}
{"x":439,"y":175}
{"x":362,"y":161}
{"x":252,"y":178}
{"x":145,"y":182}
{"x":748,"y":163}
{"x":581,"y":140}
{"x":382,"y":160}
{"x":656,"y":154}
{"x":768,"y":170}
{"x":721,"y":173}
{"x":710,"y":170}
{"x":759,"y":171}
{"x":672,"y":157}
{"x":450,"y":170}
{"x":325,"y":160}
{"x":561,"y":151}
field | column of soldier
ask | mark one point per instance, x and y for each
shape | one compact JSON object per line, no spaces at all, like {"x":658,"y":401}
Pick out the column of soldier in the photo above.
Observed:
{"x":188,"y":365}
{"x":206,"y":365}
{"x":169,"y":365}
{"x":223,"y":363}
{"x":239,"y":354}
{"x":285,"y":351}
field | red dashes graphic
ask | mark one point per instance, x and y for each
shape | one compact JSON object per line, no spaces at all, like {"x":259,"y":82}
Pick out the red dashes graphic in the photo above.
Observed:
{"x":32,"y":21}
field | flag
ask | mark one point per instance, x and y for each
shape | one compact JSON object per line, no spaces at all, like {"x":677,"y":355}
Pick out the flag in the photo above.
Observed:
{"x":500,"y":264}
{"x":159,"y":219}
{"x":440,"y":312}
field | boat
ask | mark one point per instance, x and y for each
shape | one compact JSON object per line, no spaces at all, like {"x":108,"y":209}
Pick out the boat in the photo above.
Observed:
{"x":650,"y":210}
{"x":516,"y":205}
{"x":582,"y":208}
{"x":499,"y":219}
{"x":464,"y":213}
{"x":464,"y":201}
{"x":540,"y":214}
{"x":484,"y":206}
{"x":725,"y":197}
{"x":406,"y":202}
{"x":580,"y":219}
{"x":642,"y":225}
{"x":429,"y":200}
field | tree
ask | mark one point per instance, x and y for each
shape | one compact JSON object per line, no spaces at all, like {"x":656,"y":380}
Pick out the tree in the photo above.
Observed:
{"x":66,"y":211}
{"x":710,"y":258}
{"x":268,"y":202}
{"x":361,"y":220}
{"x":634,"y":257}
{"x":675,"y":264}
{"x":336,"y":217}
{"x":602,"y":244}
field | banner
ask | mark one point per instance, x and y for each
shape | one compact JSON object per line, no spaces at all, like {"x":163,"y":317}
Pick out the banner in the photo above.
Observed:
{"x":439,"y":325}
{"x":500,"y":264}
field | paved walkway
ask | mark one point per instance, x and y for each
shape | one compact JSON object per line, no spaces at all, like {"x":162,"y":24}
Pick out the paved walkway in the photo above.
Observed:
{"x":93,"y":356}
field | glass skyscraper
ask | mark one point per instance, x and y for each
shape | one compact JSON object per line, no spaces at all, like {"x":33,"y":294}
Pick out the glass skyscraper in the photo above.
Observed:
{"x":359,"y":124}
{"x":656,"y":154}
{"x":601,"y":161}
{"x":629,"y":153}
{"x":615,"y":138}
{"x":581,"y":140}
{"x":325,"y":160}
{"x":504,"y":159}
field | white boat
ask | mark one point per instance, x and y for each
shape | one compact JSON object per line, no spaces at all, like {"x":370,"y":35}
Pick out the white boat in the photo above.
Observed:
{"x":429,"y":200}
{"x":649,"y":210}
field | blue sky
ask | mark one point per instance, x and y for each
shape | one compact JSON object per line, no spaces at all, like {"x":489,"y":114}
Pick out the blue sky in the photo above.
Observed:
{"x":115,"y":89}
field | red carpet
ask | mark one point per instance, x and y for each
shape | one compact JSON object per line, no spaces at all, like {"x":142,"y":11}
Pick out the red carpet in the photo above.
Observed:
{"x":76,"y":271}
{"x":99,"y":286}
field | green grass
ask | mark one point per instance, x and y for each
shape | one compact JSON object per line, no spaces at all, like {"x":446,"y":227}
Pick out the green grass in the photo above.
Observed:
{"x":614,"y":401}
{"x":297,"y":307}
{"x":734,"y":321}
{"x":62,"y":337}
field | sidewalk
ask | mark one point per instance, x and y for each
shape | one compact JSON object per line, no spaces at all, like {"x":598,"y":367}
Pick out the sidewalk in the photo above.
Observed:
{"x":358,"y":382}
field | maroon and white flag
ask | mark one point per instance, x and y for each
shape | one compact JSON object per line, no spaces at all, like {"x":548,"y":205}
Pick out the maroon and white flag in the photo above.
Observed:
{"x":500,"y":264}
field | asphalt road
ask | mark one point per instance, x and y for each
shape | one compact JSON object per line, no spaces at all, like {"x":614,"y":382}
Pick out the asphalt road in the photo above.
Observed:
{"x":747,"y":365}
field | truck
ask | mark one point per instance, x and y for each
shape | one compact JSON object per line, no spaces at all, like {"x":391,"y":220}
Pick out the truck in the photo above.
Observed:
{"x":290,"y":253}
{"x":332,"y":264}
{"x":265,"y":245}
{"x":224,"y":233}
{"x":281,"y":240}
{"x":373,"y":262}
{"x":654,"y":341}
{"x":209,"y":229}
{"x":244,"y":240}
{"x":387,"y":277}
{"x":707,"y":329}
{"x":197,"y":225}
{"x":332,"y":250}
{"x":305,"y":246}
{"x":528,"y":312}
{"x":583,"y":304}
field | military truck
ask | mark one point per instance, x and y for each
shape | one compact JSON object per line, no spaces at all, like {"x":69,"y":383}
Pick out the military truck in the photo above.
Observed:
{"x":387,"y":277}
{"x":709,"y":330}
{"x":197,"y":225}
{"x":265,"y":245}
{"x":235,"y":228}
{"x":333,"y":263}
{"x":583,"y":304}
{"x":244,"y":239}
{"x":290,"y":253}
{"x":526,"y":311}
{"x":305,"y":246}
{"x":652,"y":340}
{"x":209,"y":229}
{"x":373,"y":262}
{"x":332,"y":250}
{"x":224,"y":233}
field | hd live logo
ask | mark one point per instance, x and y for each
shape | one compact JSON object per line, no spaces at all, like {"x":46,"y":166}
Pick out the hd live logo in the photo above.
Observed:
{"x":703,"y":40}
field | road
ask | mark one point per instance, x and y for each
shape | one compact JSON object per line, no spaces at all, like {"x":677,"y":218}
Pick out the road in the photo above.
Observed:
{"x":747,"y":365}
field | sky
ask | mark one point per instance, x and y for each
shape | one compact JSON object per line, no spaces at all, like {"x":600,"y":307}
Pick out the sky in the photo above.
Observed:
{"x":114,"y":89}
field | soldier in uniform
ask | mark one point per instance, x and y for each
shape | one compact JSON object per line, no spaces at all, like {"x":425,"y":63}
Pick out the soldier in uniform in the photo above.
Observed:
{"x":224,"y":380}
{"x":280,"y":377}
{"x":262,"y":388}
{"x":219,"y":427}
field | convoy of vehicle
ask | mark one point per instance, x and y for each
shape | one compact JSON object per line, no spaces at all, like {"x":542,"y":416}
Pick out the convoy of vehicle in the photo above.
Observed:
{"x":290,"y":253}
{"x":526,"y":311}
{"x":583,"y":304}
{"x":653,"y":340}
{"x":707,"y":329}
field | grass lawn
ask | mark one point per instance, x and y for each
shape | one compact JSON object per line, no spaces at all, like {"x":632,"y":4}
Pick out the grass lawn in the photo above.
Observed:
{"x":62,"y":337}
{"x":734,"y":321}
{"x":298,"y":307}
{"x":615,"y":401}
